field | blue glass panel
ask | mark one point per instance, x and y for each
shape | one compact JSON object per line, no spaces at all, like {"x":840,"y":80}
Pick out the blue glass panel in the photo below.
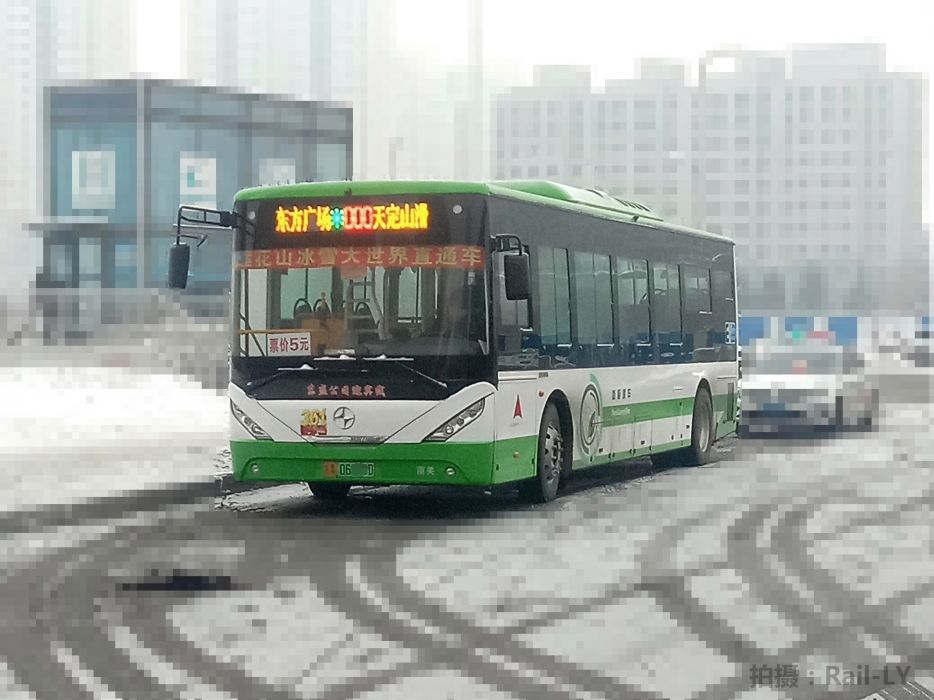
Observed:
{"x":331,"y":162}
{"x":751,"y":328}
{"x":844,"y":328}
{"x":172,"y":142}
{"x":281,"y":149}
{"x":125,"y":264}
{"x":168,"y":142}
{"x":798,"y":323}
{"x":101,"y":178}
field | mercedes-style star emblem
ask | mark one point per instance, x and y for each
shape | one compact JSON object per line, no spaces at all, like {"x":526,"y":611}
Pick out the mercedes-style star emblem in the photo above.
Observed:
{"x":343,"y":417}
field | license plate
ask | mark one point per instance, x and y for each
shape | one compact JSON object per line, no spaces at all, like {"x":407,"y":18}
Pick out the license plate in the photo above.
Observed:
{"x":356,"y":469}
{"x":774,"y":407}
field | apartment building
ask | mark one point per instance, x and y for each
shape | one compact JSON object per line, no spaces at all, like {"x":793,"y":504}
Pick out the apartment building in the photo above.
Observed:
{"x":812,"y":160}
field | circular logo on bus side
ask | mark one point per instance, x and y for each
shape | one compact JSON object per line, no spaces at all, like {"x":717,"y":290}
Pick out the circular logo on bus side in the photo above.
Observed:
{"x":590,"y":418}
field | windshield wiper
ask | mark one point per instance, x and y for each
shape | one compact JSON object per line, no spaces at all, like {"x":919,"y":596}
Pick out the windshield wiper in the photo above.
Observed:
{"x":283,"y":371}
{"x":353,"y":356}
{"x":280,"y":372}
{"x":402,"y":363}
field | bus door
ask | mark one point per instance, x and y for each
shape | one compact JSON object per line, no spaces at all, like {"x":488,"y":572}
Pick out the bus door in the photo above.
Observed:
{"x":517,"y":405}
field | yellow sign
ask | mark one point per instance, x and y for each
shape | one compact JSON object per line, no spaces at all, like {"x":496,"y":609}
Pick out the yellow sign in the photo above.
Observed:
{"x":314,"y":422}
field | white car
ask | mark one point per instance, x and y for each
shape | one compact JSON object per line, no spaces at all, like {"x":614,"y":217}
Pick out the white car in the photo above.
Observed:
{"x":806,"y":387}
{"x":922,"y":350}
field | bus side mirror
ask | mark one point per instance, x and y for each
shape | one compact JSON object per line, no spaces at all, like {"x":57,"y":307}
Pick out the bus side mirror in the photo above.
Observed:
{"x":179,"y":257}
{"x":517,"y":276}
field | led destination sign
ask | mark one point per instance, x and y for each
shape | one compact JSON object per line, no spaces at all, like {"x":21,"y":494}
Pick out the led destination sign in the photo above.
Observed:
{"x":360,"y":218}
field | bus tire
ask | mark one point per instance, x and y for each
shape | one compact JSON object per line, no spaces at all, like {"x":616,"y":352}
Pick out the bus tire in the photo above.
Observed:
{"x":839,"y":415}
{"x":329,"y":492}
{"x":702,"y":430}
{"x":549,"y":465}
{"x":872,"y":411}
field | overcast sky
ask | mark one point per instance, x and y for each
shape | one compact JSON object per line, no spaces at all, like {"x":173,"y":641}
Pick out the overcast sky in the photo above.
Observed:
{"x":610,"y":35}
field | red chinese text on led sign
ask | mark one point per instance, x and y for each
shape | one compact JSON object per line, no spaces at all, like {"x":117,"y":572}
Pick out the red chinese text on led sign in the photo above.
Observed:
{"x":430,"y":256}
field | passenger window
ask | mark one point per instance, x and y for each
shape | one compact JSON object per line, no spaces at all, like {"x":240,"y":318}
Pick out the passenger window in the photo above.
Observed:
{"x":553,"y":297}
{"x":632,"y":286}
{"x":301,"y":293}
{"x":603,"y":298}
{"x":409,"y":279}
{"x":547,"y":313}
{"x":699,"y":332}
{"x":666,"y":299}
{"x":666,"y":312}
{"x":584,"y":294}
{"x":724,"y":313}
{"x":696,"y":289}
{"x":562,"y":296}
{"x":722,"y":287}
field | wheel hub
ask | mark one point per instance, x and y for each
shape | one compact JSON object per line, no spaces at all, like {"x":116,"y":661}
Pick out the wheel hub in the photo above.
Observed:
{"x":704,"y":435}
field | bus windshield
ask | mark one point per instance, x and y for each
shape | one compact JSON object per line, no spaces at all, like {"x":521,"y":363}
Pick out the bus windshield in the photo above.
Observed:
{"x":361,"y":301}
{"x":391,"y":277}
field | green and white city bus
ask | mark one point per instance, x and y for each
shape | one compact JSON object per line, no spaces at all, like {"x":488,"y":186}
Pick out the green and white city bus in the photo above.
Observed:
{"x":467,"y":333}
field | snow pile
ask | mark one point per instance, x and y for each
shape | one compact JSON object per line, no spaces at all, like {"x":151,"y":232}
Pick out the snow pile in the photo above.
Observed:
{"x":62,"y":409}
{"x":76,"y":433}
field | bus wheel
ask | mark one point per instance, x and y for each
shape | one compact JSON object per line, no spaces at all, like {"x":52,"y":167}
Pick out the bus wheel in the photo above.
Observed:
{"x":701,"y":430}
{"x":839,"y":420}
{"x":543,"y":486}
{"x":329,"y":492}
{"x":872,"y":410}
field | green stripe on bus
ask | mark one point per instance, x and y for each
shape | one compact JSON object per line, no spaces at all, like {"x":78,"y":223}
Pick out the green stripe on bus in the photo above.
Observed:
{"x":514,"y":459}
{"x":416,"y":463}
{"x":474,"y":464}
{"x":623,"y":414}
{"x":721,"y":402}
{"x":609,"y":458}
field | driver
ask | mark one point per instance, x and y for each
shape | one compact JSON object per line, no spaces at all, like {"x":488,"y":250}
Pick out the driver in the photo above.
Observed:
{"x":322,"y":310}
{"x":461,"y":312}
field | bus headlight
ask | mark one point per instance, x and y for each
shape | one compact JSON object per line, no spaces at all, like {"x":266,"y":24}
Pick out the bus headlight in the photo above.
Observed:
{"x":252,"y":427}
{"x":457,"y":423}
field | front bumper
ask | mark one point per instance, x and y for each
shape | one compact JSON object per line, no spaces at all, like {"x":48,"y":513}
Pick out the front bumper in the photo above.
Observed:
{"x":771,"y":419}
{"x":466,"y":464}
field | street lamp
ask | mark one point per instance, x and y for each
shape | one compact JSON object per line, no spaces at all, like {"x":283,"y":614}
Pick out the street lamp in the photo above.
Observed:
{"x":395,"y":143}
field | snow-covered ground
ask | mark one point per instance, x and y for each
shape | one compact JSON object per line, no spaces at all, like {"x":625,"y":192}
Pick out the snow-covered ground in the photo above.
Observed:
{"x":72,"y":433}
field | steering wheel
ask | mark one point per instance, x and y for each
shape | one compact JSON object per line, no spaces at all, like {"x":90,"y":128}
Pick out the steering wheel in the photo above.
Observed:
{"x":301,"y":305}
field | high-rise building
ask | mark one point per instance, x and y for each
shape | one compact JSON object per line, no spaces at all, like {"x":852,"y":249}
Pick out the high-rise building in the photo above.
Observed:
{"x":48,"y":41}
{"x":812,"y":161}
{"x":300,"y":48}
{"x":333,"y":50}
{"x":93,"y":39}
{"x":413,"y":118}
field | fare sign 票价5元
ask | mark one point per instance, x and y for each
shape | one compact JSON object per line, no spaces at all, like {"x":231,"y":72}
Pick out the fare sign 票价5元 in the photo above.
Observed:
{"x":360,"y":218}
